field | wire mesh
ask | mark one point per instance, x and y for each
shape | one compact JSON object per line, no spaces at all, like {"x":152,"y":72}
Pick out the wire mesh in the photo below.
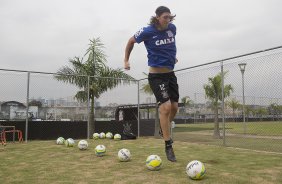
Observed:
{"x":257,"y":90}
{"x":251,"y":118}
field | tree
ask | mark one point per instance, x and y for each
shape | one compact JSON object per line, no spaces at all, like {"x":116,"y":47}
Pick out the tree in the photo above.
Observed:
{"x":146,"y":87}
{"x":234,"y":104}
{"x":213,"y":92}
{"x":261,"y":111}
{"x":101,"y":76}
{"x":248,"y":111}
{"x":186,"y":100}
{"x":147,"y":90}
{"x":274,"y":110}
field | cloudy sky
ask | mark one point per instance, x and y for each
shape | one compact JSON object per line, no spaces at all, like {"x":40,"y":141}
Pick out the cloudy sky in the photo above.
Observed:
{"x":41,"y":35}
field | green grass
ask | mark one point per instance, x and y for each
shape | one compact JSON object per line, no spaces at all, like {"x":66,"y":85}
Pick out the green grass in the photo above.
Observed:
{"x":271,"y":128}
{"x":45,"y":162}
{"x":264,"y":136}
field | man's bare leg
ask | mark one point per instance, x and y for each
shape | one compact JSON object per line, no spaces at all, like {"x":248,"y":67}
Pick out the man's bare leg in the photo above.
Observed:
{"x":165,"y":111}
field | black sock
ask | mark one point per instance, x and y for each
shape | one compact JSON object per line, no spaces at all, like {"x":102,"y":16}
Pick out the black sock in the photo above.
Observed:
{"x":168,"y":144}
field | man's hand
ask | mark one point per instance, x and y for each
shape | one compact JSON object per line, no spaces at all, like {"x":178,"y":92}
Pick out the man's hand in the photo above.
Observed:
{"x":126,"y":65}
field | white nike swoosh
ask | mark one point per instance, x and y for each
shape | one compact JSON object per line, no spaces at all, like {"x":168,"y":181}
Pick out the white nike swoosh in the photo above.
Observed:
{"x":155,"y":36}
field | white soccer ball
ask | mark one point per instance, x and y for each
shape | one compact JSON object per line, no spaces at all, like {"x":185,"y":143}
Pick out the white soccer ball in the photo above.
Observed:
{"x":124,"y":155}
{"x":154,"y":162}
{"x":82,"y":145}
{"x":195,"y":170}
{"x":100,"y":150}
{"x":60,"y":141}
{"x":102,"y":135}
{"x":117,"y":137}
{"x":69,"y":142}
{"x":109,"y":135}
{"x":96,"y":136}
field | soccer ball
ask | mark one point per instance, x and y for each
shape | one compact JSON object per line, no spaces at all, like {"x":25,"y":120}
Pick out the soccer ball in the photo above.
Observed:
{"x":60,"y":141}
{"x":117,"y":137}
{"x":195,"y":170}
{"x":69,"y":142}
{"x":154,"y":162}
{"x":100,"y":150}
{"x":109,"y":135}
{"x":102,"y":135}
{"x":124,"y":155}
{"x":82,"y":145}
{"x":96,"y":136}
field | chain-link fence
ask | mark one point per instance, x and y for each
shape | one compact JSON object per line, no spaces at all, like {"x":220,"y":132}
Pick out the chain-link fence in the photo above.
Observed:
{"x":252,"y":116}
{"x":49,"y":105}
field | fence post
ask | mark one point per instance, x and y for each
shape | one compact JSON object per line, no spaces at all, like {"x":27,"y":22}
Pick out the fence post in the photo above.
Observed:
{"x":27,"y":106}
{"x":88,"y":108}
{"x":222,"y":102}
{"x":138,"y":108}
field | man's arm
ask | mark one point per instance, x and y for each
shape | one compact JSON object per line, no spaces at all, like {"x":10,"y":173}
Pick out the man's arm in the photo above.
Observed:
{"x":128,"y":49}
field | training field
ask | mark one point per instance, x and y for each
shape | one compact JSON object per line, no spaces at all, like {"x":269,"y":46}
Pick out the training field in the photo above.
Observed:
{"x":264,"y":136}
{"x":46,"y":162}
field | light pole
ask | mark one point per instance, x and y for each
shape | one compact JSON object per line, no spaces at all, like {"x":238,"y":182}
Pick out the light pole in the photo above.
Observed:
{"x":242,"y":67}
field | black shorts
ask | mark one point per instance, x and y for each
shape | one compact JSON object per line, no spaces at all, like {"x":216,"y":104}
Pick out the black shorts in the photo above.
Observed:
{"x":164,"y":86}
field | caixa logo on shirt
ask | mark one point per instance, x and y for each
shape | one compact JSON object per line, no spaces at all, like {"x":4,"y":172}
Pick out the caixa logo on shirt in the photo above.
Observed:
{"x":168,"y":40}
{"x":164,"y":41}
{"x":138,"y":32}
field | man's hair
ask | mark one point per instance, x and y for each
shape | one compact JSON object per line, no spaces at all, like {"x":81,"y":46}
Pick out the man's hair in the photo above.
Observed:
{"x":159,"y":11}
{"x":162,"y":9}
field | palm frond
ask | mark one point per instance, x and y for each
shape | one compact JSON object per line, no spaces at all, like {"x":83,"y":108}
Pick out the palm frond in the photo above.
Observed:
{"x":102,"y":77}
{"x":81,"y":96}
{"x":213,"y":89}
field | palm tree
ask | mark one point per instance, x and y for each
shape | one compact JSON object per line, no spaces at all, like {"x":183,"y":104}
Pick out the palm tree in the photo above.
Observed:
{"x":213,"y":92}
{"x":261,"y":111}
{"x":147,"y":90}
{"x":186,"y":100}
{"x":101,"y":77}
{"x":274,"y":110}
{"x":234,"y":104}
{"x":249,"y":111}
{"x":146,"y":87}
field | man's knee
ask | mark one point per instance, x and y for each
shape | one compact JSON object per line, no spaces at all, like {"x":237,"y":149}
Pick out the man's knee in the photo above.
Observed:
{"x":165,"y":107}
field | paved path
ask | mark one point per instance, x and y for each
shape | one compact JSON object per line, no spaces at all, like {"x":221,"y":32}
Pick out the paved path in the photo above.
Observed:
{"x":240,"y":135}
